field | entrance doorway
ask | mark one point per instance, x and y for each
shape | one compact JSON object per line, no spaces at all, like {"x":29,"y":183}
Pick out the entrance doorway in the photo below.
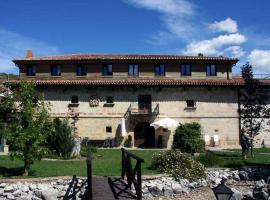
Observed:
{"x":145,"y":104}
{"x":144,"y":135}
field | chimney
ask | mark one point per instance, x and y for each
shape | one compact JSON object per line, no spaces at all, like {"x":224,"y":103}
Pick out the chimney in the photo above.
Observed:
{"x":29,"y":54}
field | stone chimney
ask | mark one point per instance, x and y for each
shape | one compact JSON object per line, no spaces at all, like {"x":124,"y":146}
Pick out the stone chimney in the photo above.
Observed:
{"x":29,"y":54}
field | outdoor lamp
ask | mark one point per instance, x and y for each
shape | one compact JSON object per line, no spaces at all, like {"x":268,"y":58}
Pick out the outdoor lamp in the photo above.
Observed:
{"x":222,"y":192}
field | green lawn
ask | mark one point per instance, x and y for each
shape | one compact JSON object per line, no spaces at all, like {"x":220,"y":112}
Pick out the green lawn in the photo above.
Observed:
{"x":106,"y":162}
{"x":233,"y":158}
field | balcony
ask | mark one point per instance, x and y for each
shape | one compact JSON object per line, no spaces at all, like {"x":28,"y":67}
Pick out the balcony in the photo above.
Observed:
{"x":136,"y":109}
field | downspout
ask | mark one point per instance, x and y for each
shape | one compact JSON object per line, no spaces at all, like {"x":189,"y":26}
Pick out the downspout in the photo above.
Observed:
{"x":239,"y":116}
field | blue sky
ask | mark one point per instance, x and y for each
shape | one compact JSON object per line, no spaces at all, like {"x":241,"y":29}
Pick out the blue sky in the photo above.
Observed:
{"x":224,"y":27}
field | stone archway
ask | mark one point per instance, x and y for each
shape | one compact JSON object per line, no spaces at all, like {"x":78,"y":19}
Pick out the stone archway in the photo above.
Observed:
{"x":144,"y":135}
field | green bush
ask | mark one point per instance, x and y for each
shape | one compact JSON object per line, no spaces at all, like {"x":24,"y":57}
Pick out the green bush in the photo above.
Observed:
{"x":178,"y":165}
{"x":61,"y":140}
{"x":188,"y":138}
{"x":210,"y":159}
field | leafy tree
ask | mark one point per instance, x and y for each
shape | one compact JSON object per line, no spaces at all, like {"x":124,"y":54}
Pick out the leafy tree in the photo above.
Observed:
{"x":61,"y":139}
{"x":29,"y":125}
{"x":188,"y":138}
{"x":253,"y":108}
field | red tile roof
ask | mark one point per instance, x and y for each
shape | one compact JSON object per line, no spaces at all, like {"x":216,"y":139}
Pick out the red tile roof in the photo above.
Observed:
{"x":144,"y":82}
{"x":81,"y":57}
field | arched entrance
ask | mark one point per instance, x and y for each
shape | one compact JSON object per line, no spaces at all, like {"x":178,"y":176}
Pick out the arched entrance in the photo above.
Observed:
{"x":144,"y":135}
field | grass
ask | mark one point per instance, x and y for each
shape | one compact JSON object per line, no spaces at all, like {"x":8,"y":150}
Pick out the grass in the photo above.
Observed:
{"x":234,"y":158}
{"x":106,"y":162}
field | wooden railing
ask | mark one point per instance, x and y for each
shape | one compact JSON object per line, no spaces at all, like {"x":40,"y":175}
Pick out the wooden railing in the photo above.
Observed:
{"x":89,"y":172}
{"x":132,"y":175}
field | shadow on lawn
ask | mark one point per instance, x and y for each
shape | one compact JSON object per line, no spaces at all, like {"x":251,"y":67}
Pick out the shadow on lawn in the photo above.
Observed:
{"x":13,"y":171}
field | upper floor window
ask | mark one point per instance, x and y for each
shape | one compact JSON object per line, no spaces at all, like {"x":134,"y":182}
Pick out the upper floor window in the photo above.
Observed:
{"x":81,"y":70}
{"x":56,"y":70}
{"x":160,"y":70}
{"x":211,"y":70}
{"x":185,"y":70}
{"x":74,"y":99}
{"x":31,"y":70}
{"x":133,"y":70}
{"x":107,"y":70}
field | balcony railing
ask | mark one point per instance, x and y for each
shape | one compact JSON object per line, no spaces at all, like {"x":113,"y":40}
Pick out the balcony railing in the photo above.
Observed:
{"x":152,"y":109}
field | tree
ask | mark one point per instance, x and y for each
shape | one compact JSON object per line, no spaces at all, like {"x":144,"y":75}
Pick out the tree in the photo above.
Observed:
{"x":188,"y":138}
{"x":61,"y":140}
{"x":29,"y":125}
{"x":253,"y":108}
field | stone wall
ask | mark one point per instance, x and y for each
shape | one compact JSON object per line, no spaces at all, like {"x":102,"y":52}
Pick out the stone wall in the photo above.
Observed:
{"x":216,"y":109}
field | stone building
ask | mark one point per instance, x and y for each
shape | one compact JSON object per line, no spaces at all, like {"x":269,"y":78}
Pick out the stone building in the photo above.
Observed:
{"x":109,"y":93}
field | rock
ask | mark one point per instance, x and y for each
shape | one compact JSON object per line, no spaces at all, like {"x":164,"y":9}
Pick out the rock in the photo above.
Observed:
{"x":243,"y":175}
{"x":156,"y":190}
{"x":2,"y":185}
{"x":1,"y":191}
{"x":10,"y":196}
{"x":260,"y":184}
{"x":17,"y":193}
{"x":32,"y":187}
{"x":25,"y":188}
{"x":167,"y":191}
{"x":177,"y":188}
{"x":236,"y":177}
{"x":9,"y":189}
{"x":49,"y":195}
{"x":236,"y":195}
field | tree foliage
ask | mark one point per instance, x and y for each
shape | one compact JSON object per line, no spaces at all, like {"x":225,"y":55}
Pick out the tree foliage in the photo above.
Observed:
{"x":188,"y":138}
{"x":253,"y":108}
{"x":29,"y":125}
{"x":61,"y":140}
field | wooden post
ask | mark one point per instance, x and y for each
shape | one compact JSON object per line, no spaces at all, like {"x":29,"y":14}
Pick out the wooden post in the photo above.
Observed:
{"x":89,"y":172}
{"x":139,"y":181}
{"x":123,"y":163}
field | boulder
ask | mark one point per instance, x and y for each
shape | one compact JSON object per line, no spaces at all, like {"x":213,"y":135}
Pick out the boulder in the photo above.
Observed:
{"x":236,"y":195}
{"x":167,"y":191}
{"x":243,"y":175}
{"x":156,"y":190}
{"x":49,"y":195}
{"x":9,"y":189}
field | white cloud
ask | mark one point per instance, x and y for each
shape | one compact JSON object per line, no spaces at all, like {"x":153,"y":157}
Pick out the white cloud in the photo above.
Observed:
{"x":228,"y":25}
{"x":175,"y":14}
{"x":215,"y":45}
{"x":260,"y":60}
{"x":235,"y":51}
{"x":13,"y":45}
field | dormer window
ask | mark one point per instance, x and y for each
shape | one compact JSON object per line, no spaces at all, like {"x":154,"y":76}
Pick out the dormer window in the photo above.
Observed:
{"x":211,"y":70}
{"x":185,"y":70}
{"x":133,"y":70}
{"x":107,"y":70}
{"x":31,"y":70}
{"x":56,"y":70}
{"x":81,"y":70}
{"x":160,"y":70}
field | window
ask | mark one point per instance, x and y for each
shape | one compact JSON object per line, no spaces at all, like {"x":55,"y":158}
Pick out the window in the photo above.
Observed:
{"x":109,"y":100}
{"x":31,"y":70}
{"x":160,"y":70}
{"x":74,"y":99}
{"x":185,"y":70}
{"x":191,"y":103}
{"x":56,"y":70}
{"x":81,"y":70}
{"x":107,"y":70}
{"x":211,"y":70}
{"x":133,"y":70}
{"x":108,"y":129}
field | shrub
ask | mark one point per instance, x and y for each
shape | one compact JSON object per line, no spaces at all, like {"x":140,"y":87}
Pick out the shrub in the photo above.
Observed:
{"x":210,"y":159}
{"x":188,"y":138}
{"x":128,"y":142}
{"x":61,"y":139}
{"x":178,"y":165}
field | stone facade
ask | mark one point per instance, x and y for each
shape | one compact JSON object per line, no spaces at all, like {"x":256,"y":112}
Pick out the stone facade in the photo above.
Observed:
{"x":216,"y":108}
